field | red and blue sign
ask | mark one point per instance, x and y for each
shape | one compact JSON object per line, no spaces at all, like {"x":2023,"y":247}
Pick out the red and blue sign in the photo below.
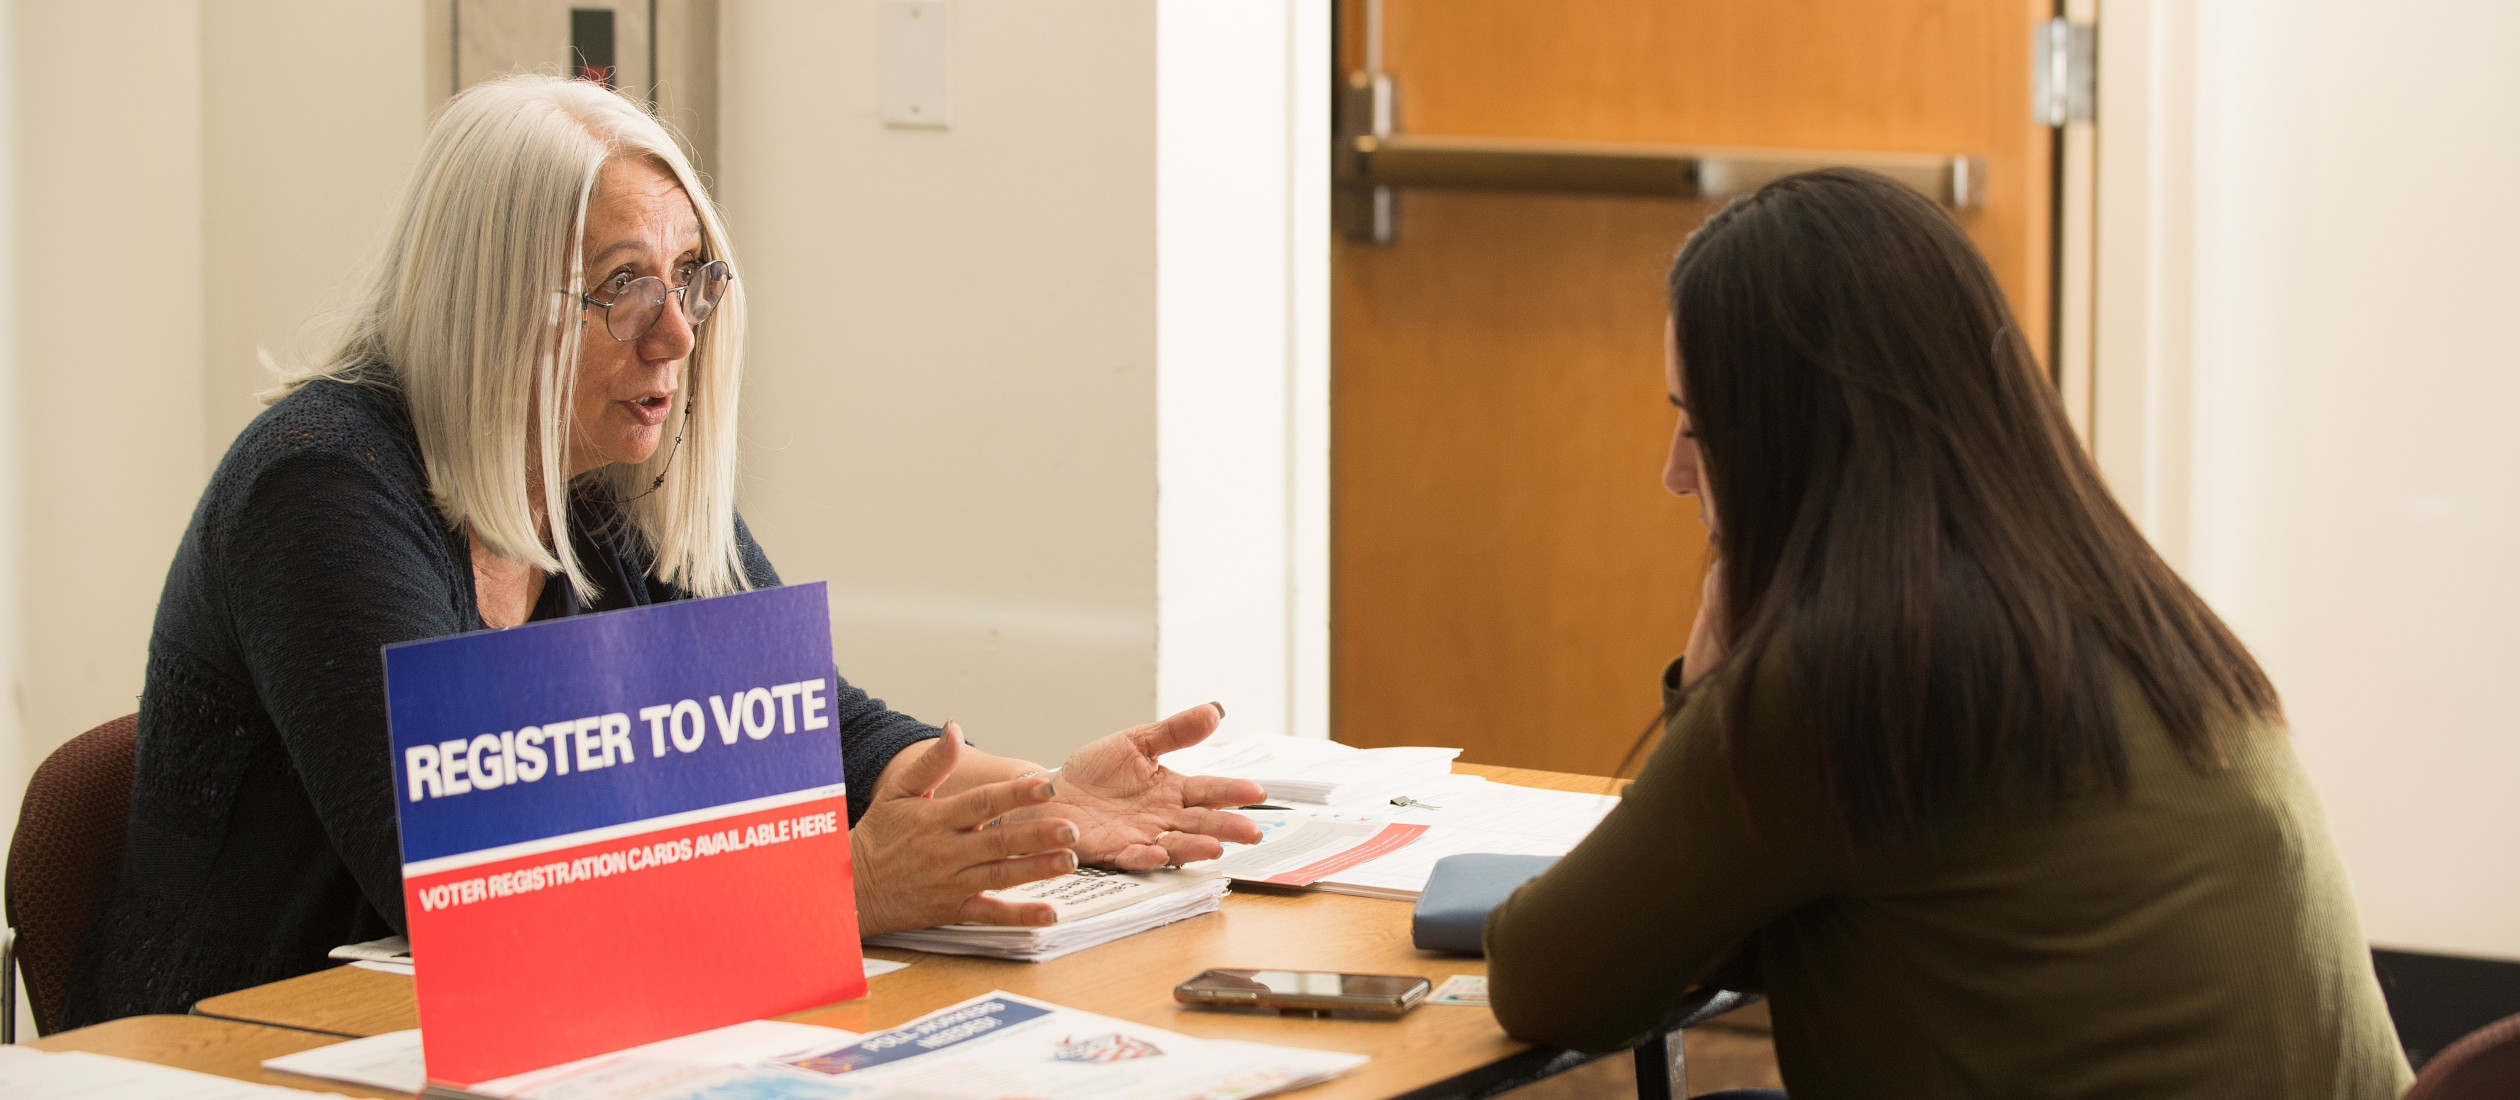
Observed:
{"x":621,"y":827}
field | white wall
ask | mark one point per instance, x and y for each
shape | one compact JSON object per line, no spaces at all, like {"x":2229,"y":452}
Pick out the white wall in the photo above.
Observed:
{"x":108,"y":362}
{"x":102,"y":400}
{"x":964,"y":339}
{"x":15,"y":758}
{"x":950,"y":403}
{"x":1243,"y":378}
{"x":185,"y":182}
{"x":312,"y":113}
{"x":179,"y":222}
{"x":2317,"y":418}
{"x":2144,"y":290}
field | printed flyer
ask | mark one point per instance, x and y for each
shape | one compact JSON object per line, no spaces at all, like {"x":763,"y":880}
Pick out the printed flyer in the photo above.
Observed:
{"x":1002,"y":1045}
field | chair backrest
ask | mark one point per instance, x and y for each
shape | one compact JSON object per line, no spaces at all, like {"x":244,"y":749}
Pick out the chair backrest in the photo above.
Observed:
{"x":69,"y":838}
{"x":2483,"y":1066}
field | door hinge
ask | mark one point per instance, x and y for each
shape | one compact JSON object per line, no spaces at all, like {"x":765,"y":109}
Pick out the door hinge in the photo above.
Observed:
{"x":2064,"y":77}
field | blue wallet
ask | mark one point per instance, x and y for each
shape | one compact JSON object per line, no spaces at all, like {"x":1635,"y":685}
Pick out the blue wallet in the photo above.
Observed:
{"x":1453,"y":909}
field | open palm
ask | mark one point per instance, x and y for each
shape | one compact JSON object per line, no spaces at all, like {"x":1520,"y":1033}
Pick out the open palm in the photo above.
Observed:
{"x":1133,"y":813}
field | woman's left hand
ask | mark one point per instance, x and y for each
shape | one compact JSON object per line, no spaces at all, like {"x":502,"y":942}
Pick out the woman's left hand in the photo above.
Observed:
{"x":1133,"y":813}
{"x":1706,"y":635}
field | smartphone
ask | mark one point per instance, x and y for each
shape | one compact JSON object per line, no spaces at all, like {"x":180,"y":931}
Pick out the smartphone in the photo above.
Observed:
{"x":1319,"y":992}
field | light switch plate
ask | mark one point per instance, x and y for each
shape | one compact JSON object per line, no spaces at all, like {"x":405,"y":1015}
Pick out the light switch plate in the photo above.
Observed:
{"x":918,"y":69}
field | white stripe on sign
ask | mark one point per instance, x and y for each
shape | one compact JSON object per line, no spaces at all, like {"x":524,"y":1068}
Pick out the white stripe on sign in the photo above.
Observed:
{"x":612,"y":832}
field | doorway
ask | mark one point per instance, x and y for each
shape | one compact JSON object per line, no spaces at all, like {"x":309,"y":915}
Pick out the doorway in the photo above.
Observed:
{"x":663,"y":52}
{"x":1508,"y":575}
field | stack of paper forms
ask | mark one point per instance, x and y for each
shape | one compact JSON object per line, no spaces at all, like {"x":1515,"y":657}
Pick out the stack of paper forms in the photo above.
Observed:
{"x":1308,"y":769}
{"x":1464,"y":813}
{"x":1387,"y":850}
{"x":1094,"y":907}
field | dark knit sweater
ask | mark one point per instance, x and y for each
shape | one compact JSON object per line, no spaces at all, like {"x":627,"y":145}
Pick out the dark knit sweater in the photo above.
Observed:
{"x":262,"y":809}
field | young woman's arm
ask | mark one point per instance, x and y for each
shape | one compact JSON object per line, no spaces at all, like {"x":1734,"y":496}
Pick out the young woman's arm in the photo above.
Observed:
{"x":1594,"y":954}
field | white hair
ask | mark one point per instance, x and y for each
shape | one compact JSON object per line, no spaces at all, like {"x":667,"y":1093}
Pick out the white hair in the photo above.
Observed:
{"x":472,"y":307}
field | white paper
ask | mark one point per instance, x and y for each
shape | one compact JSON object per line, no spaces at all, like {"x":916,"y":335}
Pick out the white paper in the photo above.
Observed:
{"x":387,"y":1061}
{"x":1473,"y":815}
{"x":668,"y":1066}
{"x":674,"y":1081}
{"x":393,"y":1060}
{"x":1461,"y":989}
{"x":1309,"y":769}
{"x":1089,"y":891}
{"x":30,"y":1074}
{"x":1291,"y":840}
{"x":389,"y":949}
{"x":1001,"y":1044}
{"x":1462,"y":814}
{"x":1094,"y":907}
{"x":1472,"y":802}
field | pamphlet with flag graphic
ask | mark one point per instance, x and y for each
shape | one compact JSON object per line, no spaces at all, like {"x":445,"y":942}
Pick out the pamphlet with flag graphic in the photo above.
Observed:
{"x":621,"y":827}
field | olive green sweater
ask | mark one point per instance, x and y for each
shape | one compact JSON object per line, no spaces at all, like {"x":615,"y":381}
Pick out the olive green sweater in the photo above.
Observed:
{"x":2194,"y":939}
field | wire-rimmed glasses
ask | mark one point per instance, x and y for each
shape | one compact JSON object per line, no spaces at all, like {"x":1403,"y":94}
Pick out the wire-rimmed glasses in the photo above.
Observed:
{"x":634,"y":305}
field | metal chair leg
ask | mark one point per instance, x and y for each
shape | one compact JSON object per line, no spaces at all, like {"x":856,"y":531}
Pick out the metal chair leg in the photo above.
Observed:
{"x":8,"y":986}
{"x":1662,"y":1068}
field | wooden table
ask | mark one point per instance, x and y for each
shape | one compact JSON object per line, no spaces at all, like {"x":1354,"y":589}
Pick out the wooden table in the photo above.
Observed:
{"x":1434,"y":1050}
{"x":223,"y":1047}
{"x":346,"y":1002}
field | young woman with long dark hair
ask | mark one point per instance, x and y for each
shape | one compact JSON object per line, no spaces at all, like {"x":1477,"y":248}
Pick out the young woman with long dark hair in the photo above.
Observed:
{"x":1956,"y":769}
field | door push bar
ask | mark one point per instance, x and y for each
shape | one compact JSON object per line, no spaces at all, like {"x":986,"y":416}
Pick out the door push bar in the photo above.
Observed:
{"x":1370,"y":160}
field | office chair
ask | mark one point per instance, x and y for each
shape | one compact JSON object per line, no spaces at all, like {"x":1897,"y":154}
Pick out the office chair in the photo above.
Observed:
{"x":2483,"y":1066}
{"x":70,"y":835}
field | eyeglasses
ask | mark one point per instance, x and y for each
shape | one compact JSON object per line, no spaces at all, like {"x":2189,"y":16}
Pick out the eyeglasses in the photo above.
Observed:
{"x":637,"y":303}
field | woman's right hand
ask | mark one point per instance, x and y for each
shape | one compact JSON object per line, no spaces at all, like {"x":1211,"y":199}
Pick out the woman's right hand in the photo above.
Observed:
{"x":1706,"y":635}
{"x":921,"y":861}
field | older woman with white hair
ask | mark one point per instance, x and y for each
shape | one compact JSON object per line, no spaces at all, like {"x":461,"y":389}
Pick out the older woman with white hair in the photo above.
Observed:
{"x":531,"y":414}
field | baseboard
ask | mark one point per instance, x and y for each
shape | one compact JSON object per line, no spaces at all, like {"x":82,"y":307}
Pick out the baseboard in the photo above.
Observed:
{"x":2437,"y":999}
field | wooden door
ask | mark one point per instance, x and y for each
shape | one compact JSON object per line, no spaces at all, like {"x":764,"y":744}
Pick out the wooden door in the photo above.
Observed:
{"x":1508,"y":574}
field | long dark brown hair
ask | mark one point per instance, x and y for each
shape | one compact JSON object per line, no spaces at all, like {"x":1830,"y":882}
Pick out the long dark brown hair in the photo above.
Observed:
{"x":1907,"y":519}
